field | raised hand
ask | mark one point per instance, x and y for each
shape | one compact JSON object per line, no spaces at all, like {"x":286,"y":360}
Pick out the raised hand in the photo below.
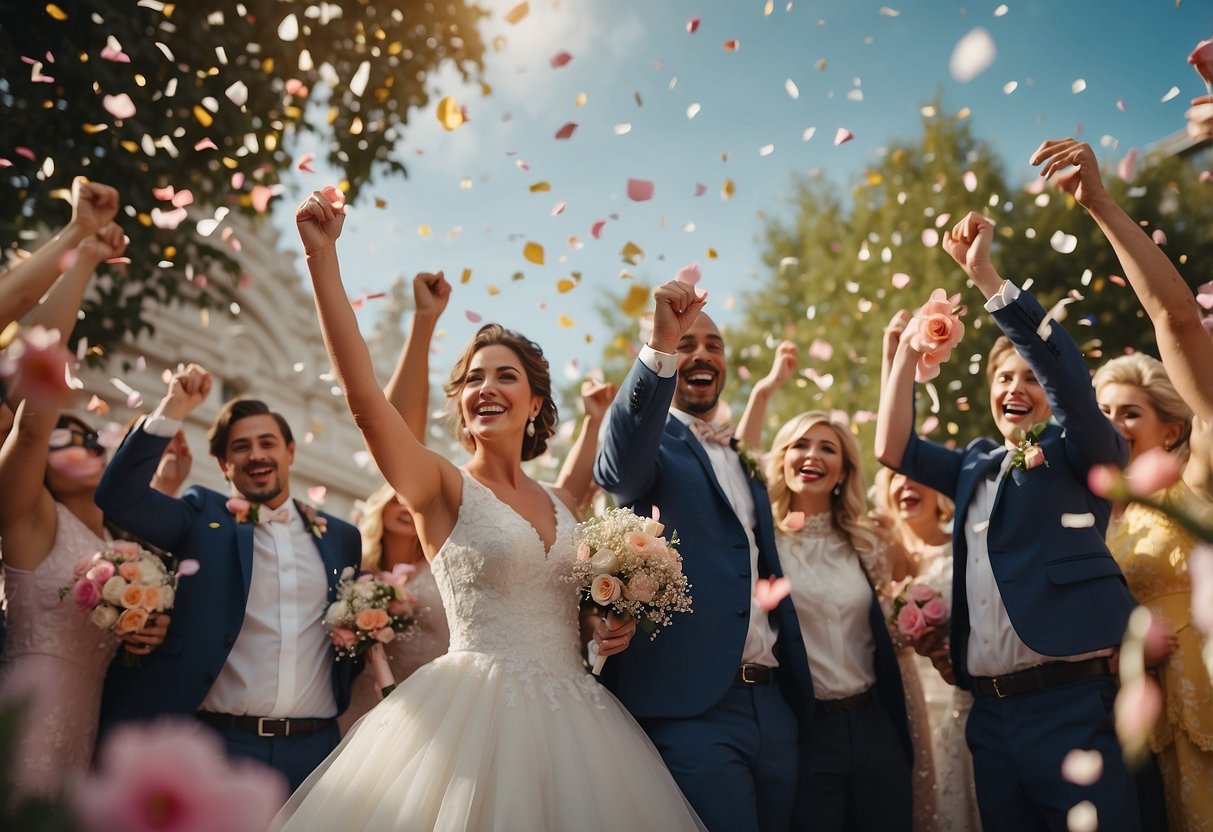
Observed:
{"x":1200,"y":118}
{"x":430,"y":293}
{"x":1070,"y":165}
{"x":787,"y":359}
{"x":968,"y":243}
{"x":676,"y":305}
{"x":107,"y":243}
{"x":893,"y":332}
{"x":596,"y":397}
{"x":174,"y":467}
{"x":187,"y":389}
{"x":94,"y":205}
{"x":320,"y":219}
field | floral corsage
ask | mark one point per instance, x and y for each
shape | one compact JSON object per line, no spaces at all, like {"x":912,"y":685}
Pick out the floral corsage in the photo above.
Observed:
{"x":1028,"y":453}
{"x":749,"y":461}
{"x":317,"y":523}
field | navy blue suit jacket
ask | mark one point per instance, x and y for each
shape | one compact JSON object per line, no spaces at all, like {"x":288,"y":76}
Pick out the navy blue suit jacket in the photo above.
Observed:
{"x":889,"y":688}
{"x":209,"y":610}
{"x":1062,"y":589}
{"x":648,"y":458}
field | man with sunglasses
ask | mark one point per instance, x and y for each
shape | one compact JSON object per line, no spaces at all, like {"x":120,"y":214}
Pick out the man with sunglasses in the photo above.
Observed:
{"x":247,"y":652}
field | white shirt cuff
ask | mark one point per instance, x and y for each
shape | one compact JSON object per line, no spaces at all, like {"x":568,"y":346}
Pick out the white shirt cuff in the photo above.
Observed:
{"x":664,"y":364}
{"x":161,"y":426}
{"x":1005,"y":295}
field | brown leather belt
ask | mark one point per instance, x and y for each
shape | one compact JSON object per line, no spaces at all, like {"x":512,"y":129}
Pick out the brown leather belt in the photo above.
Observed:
{"x":1041,"y":677}
{"x":754,"y":674}
{"x":265,"y":726}
{"x":847,"y":703}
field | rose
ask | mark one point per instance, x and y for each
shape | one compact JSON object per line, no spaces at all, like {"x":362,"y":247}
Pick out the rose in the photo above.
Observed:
{"x":935,"y":611}
{"x":642,"y":544}
{"x":100,"y":571}
{"x":400,"y":608}
{"x":652,"y":528}
{"x":343,"y":638}
{"x":130,"y":571}
{"x":337,"y":612}
{"x":920,"y":593}
{"x":385,"y":635}
{"x":1033,"y":456}
{"x":151,"y":570}
{"x":640,"y":587}
{"x":104,"y":616}
{"x":372,"y":619}
{"x":151,"y":598}
{"x":112,"y":589}
{"x":604,"y":560}
{"x":167,"y":596}
{"x":132,"y":596}
{"x":127,"y":549}
{"x":130,"y":621}
{"x":606,"y":589}
{"x":82,"y":567}
{"x":86,"y":594}
{"x":910,"y":621}
{"x":583,"y":552}
{"x":1202,"y":59}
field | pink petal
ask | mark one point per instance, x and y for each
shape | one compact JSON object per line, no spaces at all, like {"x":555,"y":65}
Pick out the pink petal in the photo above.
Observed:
{"x":26,"y":152}
{"x":970,"y":181}
{"x":566,"y":130}
{"x":596,"y":229}
{"x":769,"y":592}
{"x":164,"y":194}
{"x":296,"y":87}
{"x":1159,"y":237}
{"x":794,"y":521}
{"x":182,"y":198}
{"x":1103,"y":479}
{"x":901,"y":280}
{"x":821,"y":350}
{"x":261,"y":195}
{"x":692,"y":25}
{"x":1120,"y":104}
{"x":109,"y":53}
{"x":640,"y":190}
{"x":119,"y":106}
{"x":558,"y":209}
{"x":1127,"y":169}
{"x":929,"y":424}
{"x":205,"y":144}
{"x":523,"y":164}
{"x":168,"y":220}
{"x":1117,"y":279}
{"x":843,"y":136}
{"x":474,"y":317}
{"x":743,"y":373}
{"x":316,"y":494}
{"x":700,"y":189}
{"x":187,"y":567}
{"x":560,"y":59}
{"x":305,"y":162}
{"x":688,"y":274}
{"x":656,"y":513}
{"x":1152,"y":471}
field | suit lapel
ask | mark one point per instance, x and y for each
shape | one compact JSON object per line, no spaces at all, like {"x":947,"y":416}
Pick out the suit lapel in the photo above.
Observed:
{"x":677,"y":429}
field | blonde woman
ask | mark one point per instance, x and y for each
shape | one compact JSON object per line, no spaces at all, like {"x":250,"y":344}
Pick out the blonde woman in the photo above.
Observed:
{"x":856,"y":756}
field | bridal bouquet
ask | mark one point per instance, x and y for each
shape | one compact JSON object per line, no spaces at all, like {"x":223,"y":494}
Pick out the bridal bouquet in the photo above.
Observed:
{"x":121,"y":586}
{"x":917,"y":607}
{"x":623,"y":563}
{"x":370,"y":609}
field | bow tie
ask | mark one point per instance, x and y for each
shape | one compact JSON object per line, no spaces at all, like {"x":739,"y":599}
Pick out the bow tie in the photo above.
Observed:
{"x":719,"y":434}
{"x":266,"y":515}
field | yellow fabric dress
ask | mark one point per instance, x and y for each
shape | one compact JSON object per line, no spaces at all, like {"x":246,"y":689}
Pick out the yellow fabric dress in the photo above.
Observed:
{"x":1153,"y":554}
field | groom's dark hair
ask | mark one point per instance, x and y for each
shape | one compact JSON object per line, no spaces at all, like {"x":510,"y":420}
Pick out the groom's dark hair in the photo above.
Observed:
{"x":233,"y":412}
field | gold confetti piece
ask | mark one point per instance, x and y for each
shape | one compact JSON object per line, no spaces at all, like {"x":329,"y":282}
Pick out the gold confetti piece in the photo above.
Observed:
{"x":423,"y":230}
{"x":516,"y":276}
{"x":565,"y":285}
{"x":56,"y":12}
{"x":90,"y":129}
{"x":727,"y":189}
{"x":518,"y":12}
{"x":635,"y":302}
{"x":449,"y":114}
{"x":540,"y":187}
{"x":631,"y":253}
{"x":465,"y":184}
{"x":874,"y":178}
{"x":466,"y":276}
{"x":380,"y":202}
{"x":9,"y":333}
{"x":492,"y":290}
{"x":712,"y":254}
{"x":565,"y":321}
{"x":204,"y":118}
{"x":768,"y":8}
{"x":639,"y":100}
{"x":580,"y":100}
{"x":534,"y":253}
{"x":730,"y":302}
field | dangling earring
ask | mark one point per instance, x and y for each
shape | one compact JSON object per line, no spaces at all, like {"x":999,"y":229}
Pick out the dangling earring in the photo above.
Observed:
{"x":837,"y":492}
{"x":530,"y":427}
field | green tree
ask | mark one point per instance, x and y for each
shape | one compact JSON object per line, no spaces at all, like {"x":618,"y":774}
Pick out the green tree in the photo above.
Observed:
{"x":204,"y":97}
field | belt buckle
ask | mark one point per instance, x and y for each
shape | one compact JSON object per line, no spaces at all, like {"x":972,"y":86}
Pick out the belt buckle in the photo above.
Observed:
{"x":997,"y":690}
{"x":261,"y":732}
{"x":745,"y":674}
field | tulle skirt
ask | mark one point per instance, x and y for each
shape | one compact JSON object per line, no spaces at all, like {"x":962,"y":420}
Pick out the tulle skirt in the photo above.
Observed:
{"x":470,"y":742}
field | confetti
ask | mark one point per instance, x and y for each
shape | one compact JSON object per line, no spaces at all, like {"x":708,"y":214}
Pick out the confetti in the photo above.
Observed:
{"x":1077,"y":521}
{"x":727,"y":189}
{"x":533,"y":252}
{"x":517,"y":13}
{"x":190,"y":566}
{"x":631,"y":253}
{"x":565,"y":322}
{"x":1082,"y":817}
{"x":540,"y":187}
{"x":1063,"y":243}
{"x":900,"y":280}
{"x":119,"y":106}
{"x":566,"y":130}
{"x":622,"y":129}
{"x":640,"y":190}
{"x":887,"y":12}
{"x":792,"y":90}
{"x":731,"y":46}
{"x":237,"y":93}
{"x":693,"y":110}
{"x":768,"y":592}
{"x":972,"y":55}
{"x":316,"y":494}
{"x":692,"y":25}
{"x":688,"y":274}
{"x":1001,"y":10}
{"x":821,"y":350}
{"x":970,"y":181}
{"x":1171,"y":93}
{"x":1159,"y":237}
{"x":288,"y":29}
{"x":1010,"y":87}
{"x":261,"y":195}
{"x":450,"y":116}
{"x":635,"y":302}
{"x":842,"y":136}
{"x":560,"y":59}
{"x":558,"y":209}
{"x":1078,"y":86}
{"x":766,"y":150}
{"x":700,"y":189}
{"x":305,"y":162}
{"x":596,"y":229}
{"x":1127,"y":169}
{"x":808,"y":133}
{"x":474,"y":317}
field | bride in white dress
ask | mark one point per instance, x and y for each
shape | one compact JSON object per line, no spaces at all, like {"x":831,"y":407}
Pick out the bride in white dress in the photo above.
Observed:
{"x":507,"y":731}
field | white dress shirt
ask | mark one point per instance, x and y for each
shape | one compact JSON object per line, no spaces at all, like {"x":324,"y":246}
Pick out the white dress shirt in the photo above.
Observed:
{"x":281,"y":662}
{"x":833,"y":600}
{"x":726,"y":465}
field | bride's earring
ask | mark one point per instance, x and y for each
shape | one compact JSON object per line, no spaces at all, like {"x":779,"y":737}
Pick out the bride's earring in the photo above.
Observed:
{"x":837,"y":492}
{"x":530,"y":427}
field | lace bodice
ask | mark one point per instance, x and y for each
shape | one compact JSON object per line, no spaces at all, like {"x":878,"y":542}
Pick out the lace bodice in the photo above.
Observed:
{"x":39,"y":622}
{"x":504,"y":596}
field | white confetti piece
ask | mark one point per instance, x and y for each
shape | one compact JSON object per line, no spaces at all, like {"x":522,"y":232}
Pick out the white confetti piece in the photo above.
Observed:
{"x":1171,"y":93}
{"x":1001,"y":10}
{"x":361,"y":76}
{"x":1063,"y":243}
{"x":808,"y":133}
{"x":1010,"y":87}
{"x":1082,"y":817}
{"x":1078,"y":86}
{"x":1082,"y":768}
{"x":623,"y":129}
{"x":972,"y":55}
{"x":288,"y":29}
{"x":792,"y":90}
{"x":693,"y":110}
{"x":766,"y":150}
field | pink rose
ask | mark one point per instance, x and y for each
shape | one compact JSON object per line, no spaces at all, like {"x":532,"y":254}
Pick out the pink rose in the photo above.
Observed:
{"x":920,"y":593}
{"x":606,"y":589}
{"x":343,"y":638}
{"x":935,"y":611}
{"x":372,"y":619}
{"x":384,"y":635}
{"x":640,"y":587}
{"x":130,"y":571}
{"x":82,"y":566}
{"x":100,"y":571}
{"x":1152,"y":471}
{"x":1033,"y":456}
{"x":1202,"y":59}
{"x":910,"y":621}
{"x":653,"y":528}
{"x":132,"y":596}
{"x":640,"y":543}
{"x":151,"y":598}
{"x":86,"y":594}
{"x":583,"y":552}
{"x":131,"y":620}
{"x":129,"y":550}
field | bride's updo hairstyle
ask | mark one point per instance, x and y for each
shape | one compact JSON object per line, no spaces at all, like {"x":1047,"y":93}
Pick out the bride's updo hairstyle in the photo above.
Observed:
{"x":537,"y":375}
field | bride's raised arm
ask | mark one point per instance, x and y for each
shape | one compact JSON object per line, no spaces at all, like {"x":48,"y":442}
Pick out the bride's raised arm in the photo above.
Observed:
{"x":429,"y":485}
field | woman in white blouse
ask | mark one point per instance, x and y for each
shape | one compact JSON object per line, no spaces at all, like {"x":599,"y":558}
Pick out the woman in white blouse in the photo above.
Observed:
{"x":856,"y":757}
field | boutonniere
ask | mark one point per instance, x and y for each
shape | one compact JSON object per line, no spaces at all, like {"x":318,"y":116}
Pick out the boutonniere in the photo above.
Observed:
{"x":1028,"y":453}
{"x":243,"y":510}
{"x":317,"y":524}
{"x":749,"y":461}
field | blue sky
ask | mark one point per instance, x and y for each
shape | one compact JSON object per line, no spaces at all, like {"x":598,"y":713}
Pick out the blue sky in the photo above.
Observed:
{"x":637,"y":65}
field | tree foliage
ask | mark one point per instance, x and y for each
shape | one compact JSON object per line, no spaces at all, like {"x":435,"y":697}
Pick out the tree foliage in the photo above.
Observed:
{"x":218,"y":90}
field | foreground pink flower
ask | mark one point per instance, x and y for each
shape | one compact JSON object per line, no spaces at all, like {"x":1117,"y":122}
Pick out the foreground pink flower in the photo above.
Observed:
{"x":934,"y":331}
{"x":1138,"y":706}
{"x":1151,"y":472}
{"x":1200,"y":568}
{"x":1202,"y":60}
{"x":770,"y":591}
{"x":910,"y":621}
{"x":174,"y":776}
{"x":36,"y":365}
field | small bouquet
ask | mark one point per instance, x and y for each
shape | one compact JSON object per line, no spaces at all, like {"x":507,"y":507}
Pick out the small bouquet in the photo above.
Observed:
{"x":121,"y":586}
{"x":371,"y":609}
{"x":915,"y":608}
{"x":624,"y":563}
{"x":934,"y":331}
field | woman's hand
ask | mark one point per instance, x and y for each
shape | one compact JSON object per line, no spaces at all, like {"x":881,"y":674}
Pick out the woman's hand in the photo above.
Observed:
{"x":144,"y":641}
{"x":613,"y":635}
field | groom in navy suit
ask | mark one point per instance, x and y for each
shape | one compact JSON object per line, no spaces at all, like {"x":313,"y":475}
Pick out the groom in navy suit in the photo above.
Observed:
{"x":246,"y":651}
{"x":724,"y":691}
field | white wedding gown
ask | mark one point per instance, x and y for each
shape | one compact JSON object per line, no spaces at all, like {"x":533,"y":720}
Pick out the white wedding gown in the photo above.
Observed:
{"x":507,"y":731}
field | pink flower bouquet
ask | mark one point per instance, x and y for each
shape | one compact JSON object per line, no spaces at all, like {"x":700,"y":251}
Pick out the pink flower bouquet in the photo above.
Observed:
{"x":121,"y":586}
{"x":371,"y":609}
{"x":917,"y":607}
{"x":934,"y":331}
{"x":623,"y":563}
